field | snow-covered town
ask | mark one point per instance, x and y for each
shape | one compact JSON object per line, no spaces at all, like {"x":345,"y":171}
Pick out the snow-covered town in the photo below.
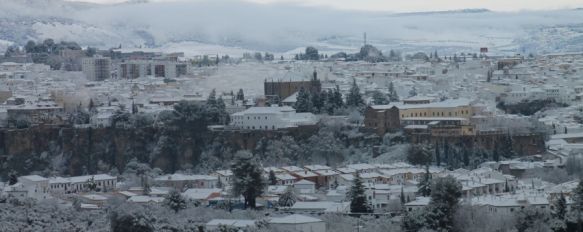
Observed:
{"x":480,"y":132}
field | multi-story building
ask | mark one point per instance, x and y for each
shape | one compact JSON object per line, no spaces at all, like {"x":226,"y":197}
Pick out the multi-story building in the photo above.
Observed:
{"x":287,"y":86}
{"x":384,"y":118}
{"x":132,"y":69}
{"x":96,"y":68}
{"x":271,"y":118}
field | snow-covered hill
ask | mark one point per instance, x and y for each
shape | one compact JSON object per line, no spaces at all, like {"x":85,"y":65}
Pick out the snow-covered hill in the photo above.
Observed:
{"x":282,"y":28}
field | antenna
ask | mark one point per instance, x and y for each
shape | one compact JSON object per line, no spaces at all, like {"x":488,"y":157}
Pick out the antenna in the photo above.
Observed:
{"x":365,"y":38}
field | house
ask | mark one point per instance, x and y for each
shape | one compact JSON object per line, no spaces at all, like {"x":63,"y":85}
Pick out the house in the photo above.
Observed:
{"x":271,"y":118}
{"x":182,"y":181}
{"x":36,"y":187}
{"x":224,"y":176}
{"x":298,"y":222}
{"x":215,"y":224}
{"x":417,"y":204}
{"x":305,"y":187}
{"x":201,"y":195}
{"x":285,"y":179}
{"x":321,"y":207}
{"x":94,"y":199}
{"x":146,"y":199}
{"x":103,"y":183}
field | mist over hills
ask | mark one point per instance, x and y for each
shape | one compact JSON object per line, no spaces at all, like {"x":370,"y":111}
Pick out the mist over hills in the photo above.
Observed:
{"x":285,"y":27}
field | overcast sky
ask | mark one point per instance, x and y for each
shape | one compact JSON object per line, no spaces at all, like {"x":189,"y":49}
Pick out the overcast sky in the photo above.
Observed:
{"x":416,"y":5}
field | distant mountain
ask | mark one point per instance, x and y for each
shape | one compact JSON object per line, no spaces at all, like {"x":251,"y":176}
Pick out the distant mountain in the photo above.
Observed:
{"x":461,"y":11}
{"x":283,"y":28}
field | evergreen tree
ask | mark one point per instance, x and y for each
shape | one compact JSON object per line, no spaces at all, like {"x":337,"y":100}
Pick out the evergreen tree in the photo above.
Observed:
{"x":330,"y":103}
{"x":354,"y":98}
{"x":317,"y":104}
{"x":577,"y":197}
{"x":559,"y":214}
{"x":379,"y":98}
{"x":175,"y":201}
{"x":311,"y":54}
{"x":424,"y":186}
{"x":240,"y":95}
{"x":337,"y":96}
{"x":393,"y":96}
{"x":288,"y":198}
{"x":303,"y":101}
{"x":12,"y":179}
{"x":437,"y":155}
{"x":247,"y":178}
{"x":272,"y":178}
{"x":402,"y":196}
{"x":466,"y":154}
{"x":445,"y":195}
{"x":357,"y":196}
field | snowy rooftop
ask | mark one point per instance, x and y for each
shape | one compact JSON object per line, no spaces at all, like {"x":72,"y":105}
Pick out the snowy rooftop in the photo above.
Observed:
{"x":145,"y":199}
{"x":200,"y":194}
{"x":265,"y":110}
{"x":238,"y":223}
{"x":33,"y":178}
{"x":294,"y":219}
{"x":183,"y":177}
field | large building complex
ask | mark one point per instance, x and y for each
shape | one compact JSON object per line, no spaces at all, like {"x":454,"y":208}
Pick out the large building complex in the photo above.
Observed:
{"x":287,"y":86}
{"x":417,"y":113}
{"x":132,"y":69}
{"x":96,"y":68}
{"x":271,"y":118}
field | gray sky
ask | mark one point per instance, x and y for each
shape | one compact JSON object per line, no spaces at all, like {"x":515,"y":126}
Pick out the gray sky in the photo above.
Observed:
{"x":416,"y":5}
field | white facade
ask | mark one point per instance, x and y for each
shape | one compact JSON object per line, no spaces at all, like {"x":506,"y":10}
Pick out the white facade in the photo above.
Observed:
{"x":37,"y":187}
{"x":271,"y":118}
{"x":103,"y":183}
{"x":298,"y":223}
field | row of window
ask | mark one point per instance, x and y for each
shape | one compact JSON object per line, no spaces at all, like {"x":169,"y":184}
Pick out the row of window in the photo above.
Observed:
{"x":436,"y":114}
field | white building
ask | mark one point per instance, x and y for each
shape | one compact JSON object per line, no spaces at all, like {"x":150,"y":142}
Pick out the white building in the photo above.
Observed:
{"x":299,"y":223}
{"x":103,"y":183}
{"x":182,"y":181}
{"x":36,"y":187}
{"x":271,"y":118}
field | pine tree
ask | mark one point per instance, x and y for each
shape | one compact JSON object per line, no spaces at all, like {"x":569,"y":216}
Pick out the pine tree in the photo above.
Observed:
{"x":379,"y":98}
{"x":393,"y":96}
{"x":402,"y":196}
{"x":317,"y":103}
{"x":445,"y":195}
{"x":288,"y":198}
{"x":559,"y":213}
{"x":437,"y":155}
{"x":240,"y":95}
{"x":272,"y":178}
{"x":303,"y":101}
{"x":337,"y":96}
{"x":577,"y":197}
{"x":247,"y":178}
{"x":354,"y":98}
{"x":175,"y":201}
{"x":357,"y":196}
{"x":424,"y":186}
{"x":12,"y":179}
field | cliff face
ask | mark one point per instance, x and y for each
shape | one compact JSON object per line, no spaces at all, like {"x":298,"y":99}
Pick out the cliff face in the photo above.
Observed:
{"x":76,"y":151}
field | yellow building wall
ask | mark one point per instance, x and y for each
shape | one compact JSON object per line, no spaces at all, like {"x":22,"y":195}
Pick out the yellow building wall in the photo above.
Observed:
{"x":457,"y":112}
